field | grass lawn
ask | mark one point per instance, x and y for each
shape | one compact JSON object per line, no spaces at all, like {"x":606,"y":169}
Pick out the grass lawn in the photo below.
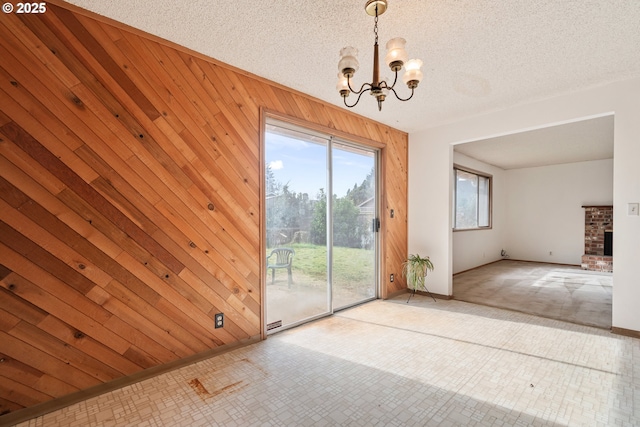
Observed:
{"x":350,"y":265}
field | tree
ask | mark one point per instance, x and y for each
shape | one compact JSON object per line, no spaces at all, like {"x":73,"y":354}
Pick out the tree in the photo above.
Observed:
{"x":346,"y":230}
{"x":287,"y":212}
{"x":363,"y":192}
{"x":318,"y":231}
{"x":347,"y":227}
{"x":273,"y":186}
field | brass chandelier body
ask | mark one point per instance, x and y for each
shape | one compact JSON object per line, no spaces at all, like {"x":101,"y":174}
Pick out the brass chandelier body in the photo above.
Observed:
{"x":396,"y":59}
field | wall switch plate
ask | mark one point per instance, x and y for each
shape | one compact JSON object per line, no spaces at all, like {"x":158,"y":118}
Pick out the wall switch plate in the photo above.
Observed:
{"x":219,"y":320}
{"x":632,"y":209}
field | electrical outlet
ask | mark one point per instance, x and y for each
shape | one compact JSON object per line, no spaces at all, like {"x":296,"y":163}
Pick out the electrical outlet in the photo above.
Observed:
{"x":391,"y":277}
{"x":219,"y":319}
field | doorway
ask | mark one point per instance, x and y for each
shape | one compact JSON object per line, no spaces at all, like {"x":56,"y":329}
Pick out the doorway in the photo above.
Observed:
{"x":321,"y":224}
{"x":542,"y":179}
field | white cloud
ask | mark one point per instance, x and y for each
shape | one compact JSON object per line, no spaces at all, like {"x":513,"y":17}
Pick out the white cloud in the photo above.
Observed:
{"x":276,"y":165}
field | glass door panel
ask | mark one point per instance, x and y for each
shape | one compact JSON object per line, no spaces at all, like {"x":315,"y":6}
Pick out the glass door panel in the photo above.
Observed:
{"x":354,"y":221}
{"x":297,"y":285}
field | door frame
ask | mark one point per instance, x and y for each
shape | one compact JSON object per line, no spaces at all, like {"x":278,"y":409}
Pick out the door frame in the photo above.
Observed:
{"x":265,"y":114}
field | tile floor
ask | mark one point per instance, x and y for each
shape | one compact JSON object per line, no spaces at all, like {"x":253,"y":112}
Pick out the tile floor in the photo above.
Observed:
{"x":389,"y":363}
{"x":550,"y":290}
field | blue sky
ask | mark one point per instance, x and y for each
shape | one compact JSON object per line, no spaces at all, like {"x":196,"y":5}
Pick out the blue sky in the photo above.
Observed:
{"x":303,"y":164}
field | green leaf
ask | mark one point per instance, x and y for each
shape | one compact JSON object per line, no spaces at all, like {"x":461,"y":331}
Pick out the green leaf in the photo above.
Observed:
{"x":415,"y":270}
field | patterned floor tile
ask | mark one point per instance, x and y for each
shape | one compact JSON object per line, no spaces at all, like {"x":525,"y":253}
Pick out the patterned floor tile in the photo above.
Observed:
{"x":393,"y":363}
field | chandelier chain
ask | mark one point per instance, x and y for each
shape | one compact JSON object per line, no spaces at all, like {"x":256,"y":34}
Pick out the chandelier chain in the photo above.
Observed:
{"x":375,"y":25}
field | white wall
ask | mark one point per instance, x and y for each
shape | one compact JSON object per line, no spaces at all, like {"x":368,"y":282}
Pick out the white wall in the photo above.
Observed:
{"x":430,"y":161}
{"x":429,"y":218}
{"x":544,"y":209}
{"x":472,"y":248}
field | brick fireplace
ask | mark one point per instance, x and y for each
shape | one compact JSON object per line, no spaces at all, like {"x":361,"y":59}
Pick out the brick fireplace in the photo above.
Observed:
{"x":598,"y":238}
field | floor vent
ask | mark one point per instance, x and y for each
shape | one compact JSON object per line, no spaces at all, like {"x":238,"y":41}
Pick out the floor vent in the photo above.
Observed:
{"x":274,"y":325}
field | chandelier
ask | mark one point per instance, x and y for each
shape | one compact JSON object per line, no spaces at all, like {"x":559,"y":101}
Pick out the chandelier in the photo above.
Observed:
{"x":396,"y":59}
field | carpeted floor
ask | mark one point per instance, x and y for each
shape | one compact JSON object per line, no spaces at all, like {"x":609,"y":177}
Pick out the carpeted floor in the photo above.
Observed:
{"x":549,"y":290}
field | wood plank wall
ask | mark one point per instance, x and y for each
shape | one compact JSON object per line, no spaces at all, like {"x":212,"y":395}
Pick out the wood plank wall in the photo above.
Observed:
{"x":130,"y":201}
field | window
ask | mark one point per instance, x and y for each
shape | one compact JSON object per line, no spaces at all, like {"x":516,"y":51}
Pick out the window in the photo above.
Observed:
{"x":472,"y":200}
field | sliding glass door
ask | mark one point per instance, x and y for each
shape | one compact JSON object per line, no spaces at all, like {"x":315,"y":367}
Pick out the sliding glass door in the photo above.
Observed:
{"x":354,"y":225}
{"x":296,"y":199}
{"x":321,"y":249}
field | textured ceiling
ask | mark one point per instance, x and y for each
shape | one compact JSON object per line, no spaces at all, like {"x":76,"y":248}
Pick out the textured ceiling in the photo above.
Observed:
{"x":479,"y":55}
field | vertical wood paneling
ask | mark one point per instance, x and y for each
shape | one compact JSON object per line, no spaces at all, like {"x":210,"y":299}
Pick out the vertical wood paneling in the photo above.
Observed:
{"x":130,"y":174}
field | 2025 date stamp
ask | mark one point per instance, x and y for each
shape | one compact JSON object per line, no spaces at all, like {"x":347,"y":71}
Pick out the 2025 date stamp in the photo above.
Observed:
{"x":36,"y":7}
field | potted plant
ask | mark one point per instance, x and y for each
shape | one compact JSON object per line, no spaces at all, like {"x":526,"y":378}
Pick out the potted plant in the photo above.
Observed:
{"x":415,"y":270}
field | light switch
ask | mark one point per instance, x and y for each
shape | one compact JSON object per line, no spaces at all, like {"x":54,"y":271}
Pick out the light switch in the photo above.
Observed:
{"x":632,"y":209}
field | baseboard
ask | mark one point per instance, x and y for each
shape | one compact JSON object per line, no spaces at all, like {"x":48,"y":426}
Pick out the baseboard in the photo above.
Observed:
{"x":541,"y":262}
{"x":626,"y":332}
{"x":31,"y":412}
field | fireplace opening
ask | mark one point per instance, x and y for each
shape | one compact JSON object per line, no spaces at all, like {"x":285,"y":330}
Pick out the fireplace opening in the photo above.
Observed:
{"x":608,"y":243}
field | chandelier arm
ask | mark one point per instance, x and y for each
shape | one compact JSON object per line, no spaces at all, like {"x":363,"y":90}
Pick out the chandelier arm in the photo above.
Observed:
{"x":357,"y":100}
{"x":361,"y":88}
{"x":385,"y":85}
{"x":395,"y":79}
{"x":396,"y":94}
